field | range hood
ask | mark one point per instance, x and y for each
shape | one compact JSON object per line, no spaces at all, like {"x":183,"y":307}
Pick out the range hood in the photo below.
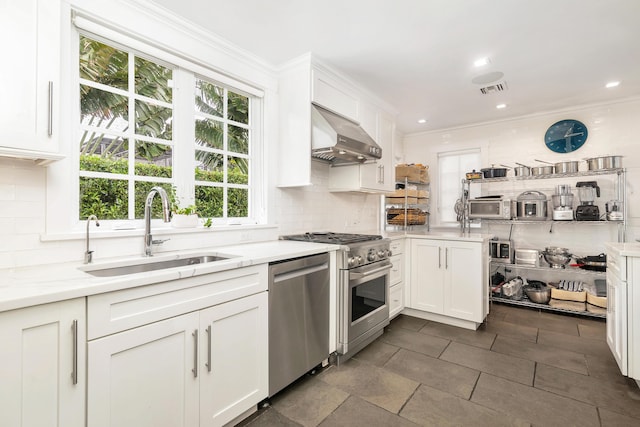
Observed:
{"x":339,"y":140}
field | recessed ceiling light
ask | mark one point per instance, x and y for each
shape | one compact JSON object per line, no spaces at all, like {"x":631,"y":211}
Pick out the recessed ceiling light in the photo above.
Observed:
{"x":501,"y":106}
{"x":421,"y":121}
{"x":481,"y":62}
{"x":612,"y":84}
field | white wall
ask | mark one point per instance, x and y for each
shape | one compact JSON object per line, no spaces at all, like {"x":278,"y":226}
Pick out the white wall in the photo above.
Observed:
{"x":611,"y":132}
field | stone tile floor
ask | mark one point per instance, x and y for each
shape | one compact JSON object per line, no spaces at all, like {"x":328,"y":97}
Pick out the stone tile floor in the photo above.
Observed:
{"x":522,"y":367}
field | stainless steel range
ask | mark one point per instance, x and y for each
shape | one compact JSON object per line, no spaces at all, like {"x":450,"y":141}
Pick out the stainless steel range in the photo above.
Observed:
{"x":363,"y":287}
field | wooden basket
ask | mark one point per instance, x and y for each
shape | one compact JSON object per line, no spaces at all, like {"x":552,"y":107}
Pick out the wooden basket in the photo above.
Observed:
{"x":413,"y":217}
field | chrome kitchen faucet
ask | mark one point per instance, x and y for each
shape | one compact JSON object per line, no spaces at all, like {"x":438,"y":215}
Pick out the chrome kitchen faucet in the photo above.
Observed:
{"x":88,"y":255}
{"x":148,"y":239}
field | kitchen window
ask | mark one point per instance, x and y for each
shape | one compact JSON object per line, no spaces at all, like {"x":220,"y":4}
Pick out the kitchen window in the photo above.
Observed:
{"x":145,"y":121}
{"x":452,"y":167}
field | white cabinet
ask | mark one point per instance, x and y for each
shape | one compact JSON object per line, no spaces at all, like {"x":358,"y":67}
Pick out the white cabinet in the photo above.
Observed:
{"x":182,"y":353}
{"x":29,"y":97}
{"x":146,"y":376}
{"x":234,"y":354}
{"x":306,"y":80}
{"x":617,"y":320}
{"x":396,"y":290}
{"x":447,"y":281}
{"x":42,"y":365}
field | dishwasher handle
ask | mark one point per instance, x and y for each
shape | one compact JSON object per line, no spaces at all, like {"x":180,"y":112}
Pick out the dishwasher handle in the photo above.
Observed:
{"x":288,"y":275}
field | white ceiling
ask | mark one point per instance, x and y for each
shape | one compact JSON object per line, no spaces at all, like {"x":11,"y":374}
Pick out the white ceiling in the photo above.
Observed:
{"x":418,"y":55}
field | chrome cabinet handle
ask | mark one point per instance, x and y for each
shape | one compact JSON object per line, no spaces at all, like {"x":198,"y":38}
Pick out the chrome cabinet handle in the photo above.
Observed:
{"x":439,"y":257}
{"x":50,"y":106}
{"x":208,"y":364}
{"x":74,"y":371}
{"x":195,"y":354}
{"x":446,"y":258}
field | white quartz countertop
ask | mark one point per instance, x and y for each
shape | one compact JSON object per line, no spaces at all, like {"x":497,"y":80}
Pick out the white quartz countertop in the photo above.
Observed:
{"x":41,"y":284}
{"x":631,"y":249}
{"x":440,"y":235}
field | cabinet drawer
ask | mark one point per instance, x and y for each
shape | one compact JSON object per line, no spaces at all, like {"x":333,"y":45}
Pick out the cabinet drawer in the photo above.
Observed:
{"x":617,"y":265}
{"x":397,"y":271}
{"x":397,"y":246}
{"x":396,"y":299}
{"x":117,"y":311}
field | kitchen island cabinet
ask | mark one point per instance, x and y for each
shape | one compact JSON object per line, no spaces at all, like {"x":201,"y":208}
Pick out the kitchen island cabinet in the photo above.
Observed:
{"x":42,"y":365}
{"x":189,"y":352}
{"x":448,"y":281}
{"x":28,"y":106}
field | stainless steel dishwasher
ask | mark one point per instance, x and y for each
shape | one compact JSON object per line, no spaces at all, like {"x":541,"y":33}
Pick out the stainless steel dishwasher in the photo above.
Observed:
{"x":298,"y":318}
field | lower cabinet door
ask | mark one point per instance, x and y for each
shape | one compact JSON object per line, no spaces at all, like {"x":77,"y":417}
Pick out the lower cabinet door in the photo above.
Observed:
{"x":42,"y":371}
{"x":464,"y":285}
{"x":234,"y":359}
{"x":617,"y":321}
{"x":145,"y":377}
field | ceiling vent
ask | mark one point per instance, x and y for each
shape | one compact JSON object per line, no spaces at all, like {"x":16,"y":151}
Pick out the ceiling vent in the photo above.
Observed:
{"x":498,"y":87}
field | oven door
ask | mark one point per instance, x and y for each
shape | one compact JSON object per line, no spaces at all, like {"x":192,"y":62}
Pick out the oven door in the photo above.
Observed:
{"x":365,"y":310}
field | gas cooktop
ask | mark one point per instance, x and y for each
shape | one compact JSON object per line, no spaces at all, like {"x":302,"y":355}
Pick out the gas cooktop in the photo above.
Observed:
{"x":328,"y":237}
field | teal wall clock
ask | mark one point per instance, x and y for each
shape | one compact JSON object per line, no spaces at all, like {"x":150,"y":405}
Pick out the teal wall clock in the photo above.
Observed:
{"x":565,"y":136}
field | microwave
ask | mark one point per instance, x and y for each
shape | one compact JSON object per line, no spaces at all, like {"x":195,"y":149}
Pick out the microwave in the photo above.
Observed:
{"x":490,"y":208}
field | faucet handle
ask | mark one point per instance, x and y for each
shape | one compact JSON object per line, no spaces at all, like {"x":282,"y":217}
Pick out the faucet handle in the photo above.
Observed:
{"x":88,"y":257}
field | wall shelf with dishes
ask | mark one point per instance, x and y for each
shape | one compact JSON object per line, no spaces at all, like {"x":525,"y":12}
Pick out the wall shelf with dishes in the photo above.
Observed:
{"x":408,"y":207}
{"x":533,"y":207}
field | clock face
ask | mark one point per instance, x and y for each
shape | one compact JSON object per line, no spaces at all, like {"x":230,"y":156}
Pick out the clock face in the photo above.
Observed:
{"x":565,"y":136}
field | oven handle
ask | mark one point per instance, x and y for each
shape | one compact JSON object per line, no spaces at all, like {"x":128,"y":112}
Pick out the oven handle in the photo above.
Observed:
{"x":359,"y":275}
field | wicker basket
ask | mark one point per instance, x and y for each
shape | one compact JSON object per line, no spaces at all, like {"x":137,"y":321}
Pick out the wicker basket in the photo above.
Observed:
{"x":396,"y":216}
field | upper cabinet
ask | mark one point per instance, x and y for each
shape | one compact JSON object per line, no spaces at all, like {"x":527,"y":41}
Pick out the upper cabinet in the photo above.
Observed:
{"x":30,"y":89}
{"x":306,"y":81}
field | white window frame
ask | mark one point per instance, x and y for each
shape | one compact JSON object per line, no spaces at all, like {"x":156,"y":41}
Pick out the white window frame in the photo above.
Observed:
{"x":441,"y":180}
{"x":63,"y":197}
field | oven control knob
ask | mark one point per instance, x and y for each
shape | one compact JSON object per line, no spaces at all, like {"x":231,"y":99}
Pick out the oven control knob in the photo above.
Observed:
{"x":358,"y":260}
{"x":371,"y":256}
{"x":389,"y":253}
{"x":382,"y":253}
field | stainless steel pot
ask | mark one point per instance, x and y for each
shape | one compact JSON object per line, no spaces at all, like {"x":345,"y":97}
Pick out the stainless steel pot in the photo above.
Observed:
{"x":604,"y":162}
{"x":543,"y":170}
{"x":522,"y":170}
{"x":566,"y":167}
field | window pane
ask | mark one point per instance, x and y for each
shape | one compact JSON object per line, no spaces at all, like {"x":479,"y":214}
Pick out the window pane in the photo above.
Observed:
{"x":153,"y":120}
{"x":238,"y":139}
{"x":103,"y":109}
{"x":103,"y":153}
{"x":141,"y":191}
{"x":96,"y":163}
{"x":238,"y":108}
{"x":451,"y":171}
{"x":209,"y":201}
{"x":210,"y":166}
{"x":209,"y":133}
{"x":209,"y":98}
{"x":105,"y":198}
{"x":103,"y":64}
{"x":238,"y":203}
{"x":238,"y":172}
{"x":153,"y":159}
{"x":153,"y":80}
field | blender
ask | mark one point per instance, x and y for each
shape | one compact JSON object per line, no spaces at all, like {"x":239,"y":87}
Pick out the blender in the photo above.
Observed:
{"x":562,"y":203}
{"x":587,"y":192}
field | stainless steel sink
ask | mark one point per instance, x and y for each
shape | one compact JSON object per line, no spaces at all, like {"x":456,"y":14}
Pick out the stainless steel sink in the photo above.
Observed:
{"x":151,"y":264}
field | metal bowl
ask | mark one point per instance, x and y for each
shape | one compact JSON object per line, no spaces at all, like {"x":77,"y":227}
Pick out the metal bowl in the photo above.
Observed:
{"x":557,"y":257}
{"x":538,"y":295}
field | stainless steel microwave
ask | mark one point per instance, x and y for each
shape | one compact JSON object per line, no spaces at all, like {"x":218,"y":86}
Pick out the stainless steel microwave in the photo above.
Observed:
{"x":490,"y":208}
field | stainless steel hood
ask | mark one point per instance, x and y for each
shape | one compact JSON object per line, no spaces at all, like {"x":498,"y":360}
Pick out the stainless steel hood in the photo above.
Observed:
{"x":339,"y":140}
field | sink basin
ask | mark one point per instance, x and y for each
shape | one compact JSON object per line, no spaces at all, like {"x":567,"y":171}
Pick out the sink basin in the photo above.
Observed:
{"x":151,"y":264}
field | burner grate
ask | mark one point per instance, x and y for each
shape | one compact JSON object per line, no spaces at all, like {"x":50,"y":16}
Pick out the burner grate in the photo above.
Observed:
{"x":329,"y":237}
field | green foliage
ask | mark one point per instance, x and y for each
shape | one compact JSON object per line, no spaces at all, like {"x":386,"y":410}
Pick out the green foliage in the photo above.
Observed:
{"x":107,"y":198}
